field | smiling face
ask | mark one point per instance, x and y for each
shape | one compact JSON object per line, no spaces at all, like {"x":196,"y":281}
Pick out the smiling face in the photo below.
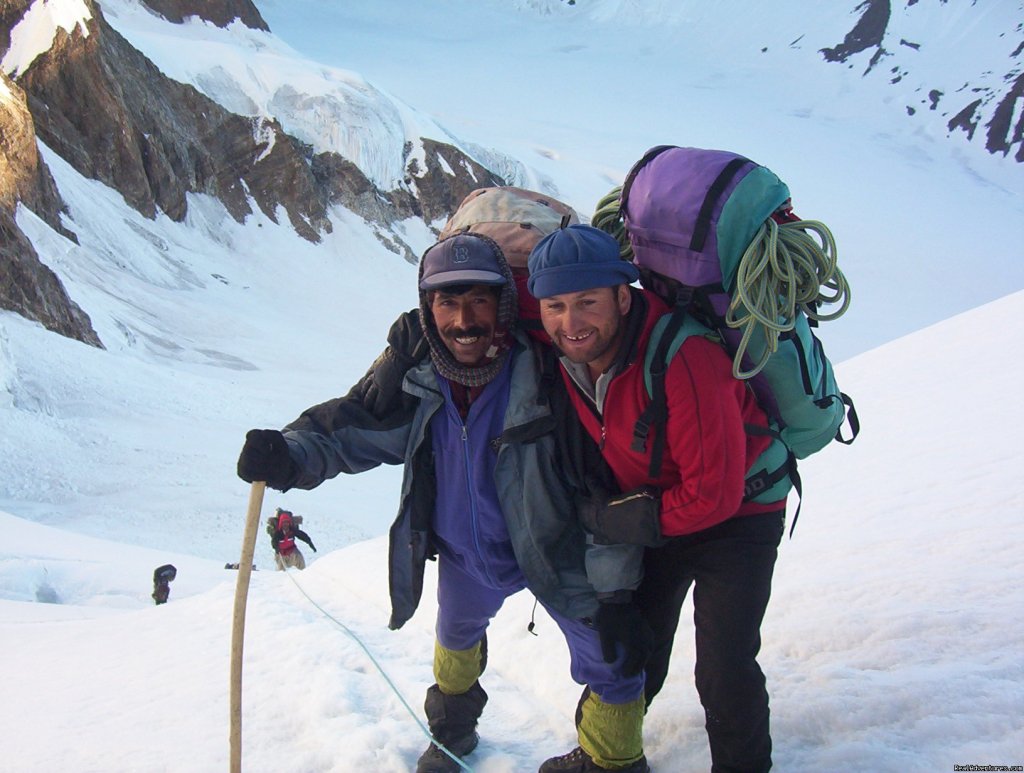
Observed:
{"x":465,"y":318}
{"x":586,"y":326}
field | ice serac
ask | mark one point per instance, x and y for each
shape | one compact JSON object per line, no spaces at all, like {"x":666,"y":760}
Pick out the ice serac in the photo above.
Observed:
{"x":114,"y":116}
{"x":155,"y":140}
{"x":27,"y":286}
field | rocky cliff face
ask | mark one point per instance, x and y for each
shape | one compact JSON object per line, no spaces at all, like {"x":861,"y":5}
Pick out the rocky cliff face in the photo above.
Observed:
{"x":431,"y":192}
{"x":219,"y":12}
{"x":155,"y":140}
{"x":106,"y":109}
{"x":26,"y":285}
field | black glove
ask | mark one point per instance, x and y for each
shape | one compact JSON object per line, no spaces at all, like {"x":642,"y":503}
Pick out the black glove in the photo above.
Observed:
{"x":312,"y":547}
{"x":265,"y":457}
{"x":620,"y":623}
{"x":633,"y":518}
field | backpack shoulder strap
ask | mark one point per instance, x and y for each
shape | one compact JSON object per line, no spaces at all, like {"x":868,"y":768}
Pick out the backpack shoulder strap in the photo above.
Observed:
{"x":667,"y":336}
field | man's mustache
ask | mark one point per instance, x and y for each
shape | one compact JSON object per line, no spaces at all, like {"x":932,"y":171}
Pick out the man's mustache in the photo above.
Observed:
{"x":474,"y":331}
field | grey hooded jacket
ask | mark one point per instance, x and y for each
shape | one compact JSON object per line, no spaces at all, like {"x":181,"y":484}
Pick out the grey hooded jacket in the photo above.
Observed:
{"x":533,"y":479}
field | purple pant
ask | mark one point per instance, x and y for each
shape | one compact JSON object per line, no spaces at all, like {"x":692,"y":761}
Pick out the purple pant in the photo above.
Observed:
{"x":465,"y":609}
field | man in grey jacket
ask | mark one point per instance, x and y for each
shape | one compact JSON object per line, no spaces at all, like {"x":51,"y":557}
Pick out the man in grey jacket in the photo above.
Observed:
{"x":488,"y":488}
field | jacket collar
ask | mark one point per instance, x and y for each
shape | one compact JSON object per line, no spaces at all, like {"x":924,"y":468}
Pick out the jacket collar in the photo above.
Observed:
{"x":645,"y":309}
{"x":523,"y":406}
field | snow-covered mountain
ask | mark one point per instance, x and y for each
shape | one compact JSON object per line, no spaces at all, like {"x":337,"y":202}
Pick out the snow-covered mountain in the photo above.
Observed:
{"x":208,"y":217}
{"x":79,"y":88}
{"x":955,"y":66}
{"x":258,"y":125}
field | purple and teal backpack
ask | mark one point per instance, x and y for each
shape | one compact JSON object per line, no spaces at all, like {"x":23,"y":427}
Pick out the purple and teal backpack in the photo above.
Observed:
{"x":714,"y":235}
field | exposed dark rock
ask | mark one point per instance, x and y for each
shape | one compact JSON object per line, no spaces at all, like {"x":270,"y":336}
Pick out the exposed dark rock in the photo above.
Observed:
{"x":867,"y":33}
{"x":155,"y":140}
{"x":219,"y":12}
{"x":438,"y":191}
{"x":1001,"y":134}
{"x":344,"y":184}
{"x":27,"y":286}
{"x":11,"y":12}
{"x":966,"y":119}
{"x":996,"y":108}
{"x":430,"y":195}
{"x":30,"y":289}
{"x":24,"y":176}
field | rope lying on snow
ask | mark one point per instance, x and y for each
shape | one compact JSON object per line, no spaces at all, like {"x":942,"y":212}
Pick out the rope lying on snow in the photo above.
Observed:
{"x":380,"y":669}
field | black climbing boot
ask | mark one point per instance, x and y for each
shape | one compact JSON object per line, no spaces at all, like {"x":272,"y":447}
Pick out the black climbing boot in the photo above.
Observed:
{"x":452,"y":720}
{"x":578,"y":761}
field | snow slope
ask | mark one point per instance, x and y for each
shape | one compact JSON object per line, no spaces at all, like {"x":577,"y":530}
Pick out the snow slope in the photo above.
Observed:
{"x":892,"y":642}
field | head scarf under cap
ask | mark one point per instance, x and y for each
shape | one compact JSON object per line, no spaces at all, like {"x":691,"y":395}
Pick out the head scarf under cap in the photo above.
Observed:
{"x":442,"y":358}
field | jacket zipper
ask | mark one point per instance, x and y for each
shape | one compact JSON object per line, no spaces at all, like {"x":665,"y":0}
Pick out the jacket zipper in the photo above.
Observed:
{"x":473,"y":512}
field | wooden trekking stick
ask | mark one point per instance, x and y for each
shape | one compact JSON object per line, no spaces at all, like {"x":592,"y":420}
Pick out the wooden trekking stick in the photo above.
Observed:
{"x":252,"y":521}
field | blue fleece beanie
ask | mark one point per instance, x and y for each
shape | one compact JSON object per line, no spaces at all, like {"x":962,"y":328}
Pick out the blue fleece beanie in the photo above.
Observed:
{"x":577,"y":258}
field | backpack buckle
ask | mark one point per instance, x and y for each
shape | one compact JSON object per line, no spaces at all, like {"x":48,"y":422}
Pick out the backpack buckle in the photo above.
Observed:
{"x":640,"y":432}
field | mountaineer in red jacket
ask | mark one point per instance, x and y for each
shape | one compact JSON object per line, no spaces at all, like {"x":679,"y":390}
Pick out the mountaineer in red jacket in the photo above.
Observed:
{"x":693,"y":517}
{"x":283,"y":529}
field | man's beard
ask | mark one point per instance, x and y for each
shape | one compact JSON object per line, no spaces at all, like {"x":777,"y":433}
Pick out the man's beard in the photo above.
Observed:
{"x":599,"y":348}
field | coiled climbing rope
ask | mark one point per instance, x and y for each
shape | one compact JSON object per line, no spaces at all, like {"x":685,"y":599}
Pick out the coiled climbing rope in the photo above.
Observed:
{"x":783,"y":271}
{"x":786,"y":269}
{"x":608,"y":217}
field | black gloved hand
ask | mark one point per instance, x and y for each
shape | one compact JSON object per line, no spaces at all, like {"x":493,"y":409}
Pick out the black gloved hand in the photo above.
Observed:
{"x":633,"y":518}
{"x":312,"y":547}
{"x":265,"y":457}
{"x":620,"y":623}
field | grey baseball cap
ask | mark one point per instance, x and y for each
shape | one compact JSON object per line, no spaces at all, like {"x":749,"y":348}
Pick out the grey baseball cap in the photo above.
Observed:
{"x":460,"y":259}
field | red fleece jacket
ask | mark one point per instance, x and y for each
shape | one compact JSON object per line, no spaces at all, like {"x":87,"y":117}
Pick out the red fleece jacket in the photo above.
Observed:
{"x":707,"y":453}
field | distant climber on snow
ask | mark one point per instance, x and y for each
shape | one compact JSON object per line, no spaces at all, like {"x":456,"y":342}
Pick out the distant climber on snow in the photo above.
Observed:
{"x":283,"y":528}
{"x":162,"y":577}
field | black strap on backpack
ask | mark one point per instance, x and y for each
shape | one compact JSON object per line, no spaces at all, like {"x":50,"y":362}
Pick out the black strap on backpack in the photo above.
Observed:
{"x":851,"y":417}
{"x":702,"y":226}
{"x":764,"y":480}
{"x":628,"y":183}
{"x":655,"y":415}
